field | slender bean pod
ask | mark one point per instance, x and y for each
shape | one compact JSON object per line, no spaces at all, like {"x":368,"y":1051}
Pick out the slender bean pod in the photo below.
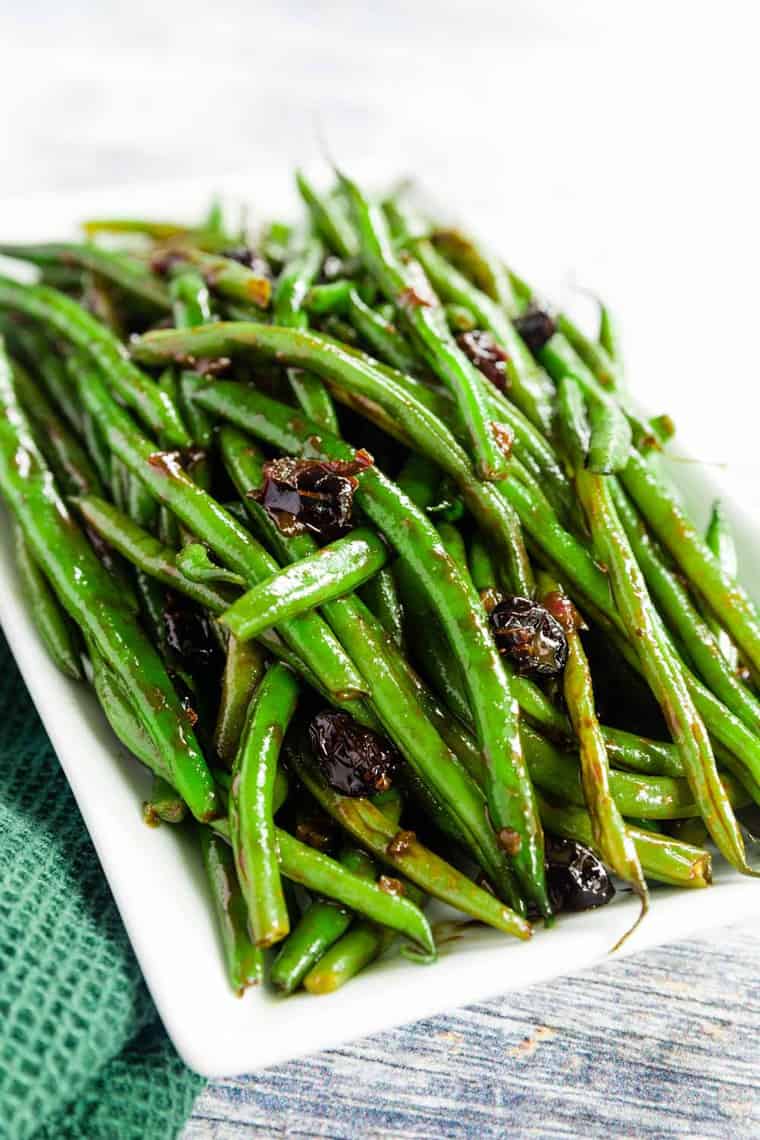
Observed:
{"x":71,"y":321}
{"x":251,"y":810}
{"x":336,"y":569}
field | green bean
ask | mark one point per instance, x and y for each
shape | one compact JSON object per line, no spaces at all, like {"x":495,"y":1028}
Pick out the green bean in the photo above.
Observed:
{"x":475,"y":261}
{"x":98,"y":296}
{"x":329,"y":573}
{"x":329,"y":218}
{"x":425,"y":319}
{"x":483,"y":570}
{"x":402,"y":850}
{"x":145,"y":227}
{"x":559,"y":359}
{"x":419,"y":479}
{"x":127,"y":272}
{"x":193,"y":561}
{"x":611,"y":438}
{"x":457,"y":604}
{"x":298,"y":274}
{"x":636,"y":796}
{"x":662,"y":430}
{"x":572,"y":421}
{"x":275,"y":239}
{"x":649,"y":824}
{"x":322,"y":925}
{"x":600,"y":441}
{"x":225,"y":276}
{"x":660,"y":666}
{"x":642,"y":754}
{"x":76,"y":325}
{"x":682,"y":616}
{"x":76,"y":363}
{"x":593,"y":354}
{"x":609,"y":339}
{"x":381,"y":335}
{"x":46,"y":361}
{"x":460,"y":319}
{"x":663,"y":858}
{"x":200,"y":423}
{"x":244,"y":960}
{"x":611,"y":837}
{"x":430,"y":646}
{"x":328,"y":299}
{"x":94,"y":600}
{"x":243,"y":670}
{"x":115,"y":702}
{"x":191,"y":307}
{"x":251,"y":812}
{"x":690,"y":831}
{"x":363,"y":943}
{"x":46,"y":613}
{"x":119,"y":486}
{"x":71,"y":465}
{"x":232,"y":543}
{"x":163,"y":804}
{"x":63,"y":277}
{"x":668,"y":520}
{"x":453,"y":544}
{"x":380,"y":596}
{"x":720,"y":542}
{"x":190,"y":299}
{"x":323,"y":875}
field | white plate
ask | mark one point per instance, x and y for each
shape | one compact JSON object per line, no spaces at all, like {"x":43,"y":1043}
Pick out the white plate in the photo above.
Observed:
{"x":156,"y":877}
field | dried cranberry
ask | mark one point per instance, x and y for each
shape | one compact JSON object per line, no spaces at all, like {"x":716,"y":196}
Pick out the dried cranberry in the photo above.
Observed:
{"x":189,"y":636}
{"x":529,"y":635}
{"x":311,"y":494}
{"x":354,"y":759}
{"x":577,"y":880}
{"x":487,"y":356}
{"x":535,"y":326}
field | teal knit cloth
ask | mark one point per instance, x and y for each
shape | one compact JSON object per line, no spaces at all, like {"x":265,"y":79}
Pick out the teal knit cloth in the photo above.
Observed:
{"x":82,"y":1052}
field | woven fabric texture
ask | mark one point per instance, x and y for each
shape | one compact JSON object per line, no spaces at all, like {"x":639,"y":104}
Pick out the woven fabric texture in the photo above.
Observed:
{"x":82,"y":1052}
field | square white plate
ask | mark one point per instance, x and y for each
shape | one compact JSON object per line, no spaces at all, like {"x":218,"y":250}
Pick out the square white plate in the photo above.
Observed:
{"x":156,"y":877}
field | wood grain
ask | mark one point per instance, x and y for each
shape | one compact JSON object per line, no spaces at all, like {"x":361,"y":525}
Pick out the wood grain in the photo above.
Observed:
{"x":662,"y":1044}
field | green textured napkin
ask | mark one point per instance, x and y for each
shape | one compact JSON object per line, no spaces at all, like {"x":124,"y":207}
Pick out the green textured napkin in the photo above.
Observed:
{"x":82,"y":1052}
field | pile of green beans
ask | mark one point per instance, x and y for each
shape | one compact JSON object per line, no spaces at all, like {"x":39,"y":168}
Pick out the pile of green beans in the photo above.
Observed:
{"x":214,"y":624}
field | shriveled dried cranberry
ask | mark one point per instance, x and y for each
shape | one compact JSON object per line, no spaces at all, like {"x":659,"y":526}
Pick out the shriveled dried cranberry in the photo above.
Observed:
{"x":189,"y":636}
{"x":487,"y":356}
{"x":529,"y":635}
{"x":354,"y":760}
{"x":577,"y":880}
{"x":535,"y":326}
{"x":311,"y":494}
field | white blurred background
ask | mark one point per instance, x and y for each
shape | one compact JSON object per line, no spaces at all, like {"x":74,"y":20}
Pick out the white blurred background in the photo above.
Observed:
{"x":609,"y":144}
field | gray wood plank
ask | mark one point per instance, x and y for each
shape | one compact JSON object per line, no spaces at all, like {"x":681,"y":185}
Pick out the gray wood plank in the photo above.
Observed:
{"x":662,"y":1044}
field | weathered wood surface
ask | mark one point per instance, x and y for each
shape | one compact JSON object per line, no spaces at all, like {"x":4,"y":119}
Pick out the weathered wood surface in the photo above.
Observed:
{"x":663,"y":1044}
